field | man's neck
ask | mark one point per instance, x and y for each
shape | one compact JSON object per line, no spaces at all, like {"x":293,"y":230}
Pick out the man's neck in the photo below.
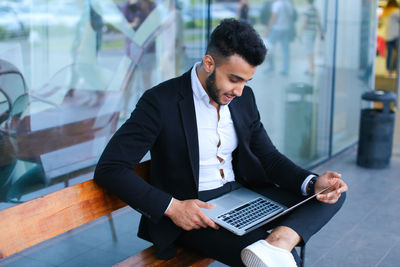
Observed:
{"x":202,"y":75}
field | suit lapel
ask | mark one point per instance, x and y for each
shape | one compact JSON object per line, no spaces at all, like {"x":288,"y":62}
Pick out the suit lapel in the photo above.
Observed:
{"x":188,"y":115}
{"x":236,"y":118}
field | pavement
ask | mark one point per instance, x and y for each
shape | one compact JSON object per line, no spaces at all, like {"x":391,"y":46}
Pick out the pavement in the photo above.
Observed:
{"x":365,"y":232}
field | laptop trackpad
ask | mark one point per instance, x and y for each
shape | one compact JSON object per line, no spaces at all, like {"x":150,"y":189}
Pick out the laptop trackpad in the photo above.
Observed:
{"x":229,"y":202}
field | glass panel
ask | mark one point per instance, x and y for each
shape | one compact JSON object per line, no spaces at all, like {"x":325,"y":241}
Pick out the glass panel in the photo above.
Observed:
{"x":293,"y":86}
{"x":79,"y":67}
{"x":354,"y":65}
{"x":299,"y":72}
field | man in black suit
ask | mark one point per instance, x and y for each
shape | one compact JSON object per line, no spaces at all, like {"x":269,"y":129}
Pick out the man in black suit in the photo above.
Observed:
{"x":205,"y":137}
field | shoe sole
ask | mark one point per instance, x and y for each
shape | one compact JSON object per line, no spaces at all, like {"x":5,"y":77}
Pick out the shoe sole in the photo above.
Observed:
{"x":250,"y":259}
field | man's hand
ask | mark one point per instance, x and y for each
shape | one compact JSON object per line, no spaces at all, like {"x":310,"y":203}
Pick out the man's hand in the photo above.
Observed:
{"x":338,"y":186}
{"x":188,"y":215}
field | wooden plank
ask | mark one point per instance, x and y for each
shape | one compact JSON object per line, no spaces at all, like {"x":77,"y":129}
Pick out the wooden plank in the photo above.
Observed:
{"x":148,"y":257}
{"x":40,"y":219}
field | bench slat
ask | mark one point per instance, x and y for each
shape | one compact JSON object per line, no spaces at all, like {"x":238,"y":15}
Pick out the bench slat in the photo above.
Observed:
{"x":35,"y":221}
{"x":183,"y":258}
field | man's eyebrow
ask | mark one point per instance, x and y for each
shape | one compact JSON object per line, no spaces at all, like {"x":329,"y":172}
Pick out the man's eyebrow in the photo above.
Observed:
{"x":240,"y":78}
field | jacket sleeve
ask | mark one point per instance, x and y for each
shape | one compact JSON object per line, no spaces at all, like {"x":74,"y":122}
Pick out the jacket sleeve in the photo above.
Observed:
{"x":126,"y":148}
{"x":278,"y":168}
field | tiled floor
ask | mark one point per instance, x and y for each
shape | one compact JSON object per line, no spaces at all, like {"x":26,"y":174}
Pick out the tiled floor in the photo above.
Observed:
{"x":364,"y":233}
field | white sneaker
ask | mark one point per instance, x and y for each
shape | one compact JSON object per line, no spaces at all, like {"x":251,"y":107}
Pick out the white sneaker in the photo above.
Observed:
{"x":263,"y":254}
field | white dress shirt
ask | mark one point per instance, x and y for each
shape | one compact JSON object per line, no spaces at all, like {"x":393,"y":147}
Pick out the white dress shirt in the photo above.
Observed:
{"x":215,"y":166}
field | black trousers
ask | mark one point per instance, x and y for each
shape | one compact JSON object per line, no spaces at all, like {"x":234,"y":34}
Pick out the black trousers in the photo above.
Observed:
{"x":225,"y":246}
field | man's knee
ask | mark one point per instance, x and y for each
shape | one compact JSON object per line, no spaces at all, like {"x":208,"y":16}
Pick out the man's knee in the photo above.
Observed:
{"x":340,"y":201}
{"x":331,"y":209}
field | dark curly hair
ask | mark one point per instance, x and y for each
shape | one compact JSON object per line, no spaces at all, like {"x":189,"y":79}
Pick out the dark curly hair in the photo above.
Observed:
{"x":236,"y":37}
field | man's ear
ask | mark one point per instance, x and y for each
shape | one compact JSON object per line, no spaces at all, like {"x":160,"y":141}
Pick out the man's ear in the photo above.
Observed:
{"x":208,"y":63}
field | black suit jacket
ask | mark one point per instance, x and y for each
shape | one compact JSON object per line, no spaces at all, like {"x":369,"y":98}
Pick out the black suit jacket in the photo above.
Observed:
{"x":164,"y":122}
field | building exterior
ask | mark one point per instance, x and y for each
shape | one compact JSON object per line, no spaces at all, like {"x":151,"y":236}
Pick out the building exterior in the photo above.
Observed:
{"x":72,"y":71}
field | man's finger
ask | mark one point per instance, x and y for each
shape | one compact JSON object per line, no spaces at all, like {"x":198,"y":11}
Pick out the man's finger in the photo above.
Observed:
{"x":212,"y":224}
{"x":196,"y":226}
{"x":205,"y":205}
{"x":202,"y":224}
{"x":331,"y":197}
{"x":334,"y":182}
{"x":208,"y":221}
{"x":343,"y":187}
{"x":339,"y":186}
{"x":331,"y":174}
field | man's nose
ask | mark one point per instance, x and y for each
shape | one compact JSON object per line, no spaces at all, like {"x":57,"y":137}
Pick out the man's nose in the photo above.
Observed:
{"x":237,"y":91}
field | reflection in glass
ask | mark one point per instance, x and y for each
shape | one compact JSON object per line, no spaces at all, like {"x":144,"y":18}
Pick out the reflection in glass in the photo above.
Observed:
{"x":293,"y":86}
{"x":281,"y":30}
{"x":136,"y":12}
{"x":81,"y":65}
{"x":13,"y":97}
{"x":353,"y":68}
{"x":55,"y":132}
{"x":72,"y":70}
{"x":311,"y":27}
{"x":243,"y":10}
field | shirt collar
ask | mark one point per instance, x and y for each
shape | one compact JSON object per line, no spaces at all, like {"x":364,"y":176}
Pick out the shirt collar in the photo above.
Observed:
{"x":198,"y":89}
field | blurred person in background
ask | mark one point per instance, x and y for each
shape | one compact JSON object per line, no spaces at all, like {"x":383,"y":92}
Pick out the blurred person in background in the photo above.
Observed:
{"x":136,"y":12}
{"x":391,"y":19}
{"x":280,"y":30}
{"x":310,"y":28}
{"x":243,"y":11}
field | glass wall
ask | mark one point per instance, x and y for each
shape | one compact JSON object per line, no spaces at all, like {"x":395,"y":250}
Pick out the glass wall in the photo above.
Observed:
{"x":294,"y":85}
{"x":318,"y":64}
{"x":353,"y":67}
{"x":71,"y":71}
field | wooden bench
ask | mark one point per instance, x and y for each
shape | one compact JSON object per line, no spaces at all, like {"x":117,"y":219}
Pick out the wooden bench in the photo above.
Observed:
{"x":35,"y":221}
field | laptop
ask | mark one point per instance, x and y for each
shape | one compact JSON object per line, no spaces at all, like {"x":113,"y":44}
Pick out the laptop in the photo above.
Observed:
{"x":242,"y":210}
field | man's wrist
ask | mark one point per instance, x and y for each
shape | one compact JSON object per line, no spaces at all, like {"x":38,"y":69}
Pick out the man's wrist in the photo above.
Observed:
{"x":311,"y":185}
{"x":169,"y":205}
{"x":305,"y":183}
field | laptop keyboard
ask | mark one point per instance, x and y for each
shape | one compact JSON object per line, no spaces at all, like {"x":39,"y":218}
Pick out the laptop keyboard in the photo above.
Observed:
{"x":249,"y":213}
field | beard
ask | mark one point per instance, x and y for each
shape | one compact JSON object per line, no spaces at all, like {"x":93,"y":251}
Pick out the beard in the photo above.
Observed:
{"x":212,"y":88}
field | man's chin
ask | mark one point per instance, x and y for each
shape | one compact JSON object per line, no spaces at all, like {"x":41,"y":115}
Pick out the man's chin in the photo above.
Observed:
{"x":223,"y":102}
